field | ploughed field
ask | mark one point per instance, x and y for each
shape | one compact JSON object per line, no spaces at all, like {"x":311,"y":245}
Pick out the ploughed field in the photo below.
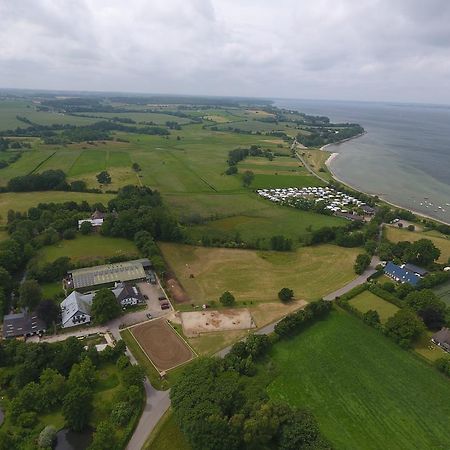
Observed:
{"x":365,"y":391}
{"x":161,"y":344}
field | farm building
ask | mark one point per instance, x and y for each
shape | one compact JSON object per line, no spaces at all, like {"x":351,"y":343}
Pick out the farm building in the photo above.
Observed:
{"x":442,"y":339}
{"x":76,"y":308}
{"x":127,"y":294}
{"x":96,"y":219}
{"x":416,"y":269}
{"x":107,"y":274}
{"x":401,"y":274}
{"x":22,"y":325}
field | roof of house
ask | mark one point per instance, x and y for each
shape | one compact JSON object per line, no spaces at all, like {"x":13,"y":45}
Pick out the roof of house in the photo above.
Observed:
{"x":349,"y":216}
{"x":416,"y":269}
{"x":368,"y":209}
{"x":401,"y":274}
{"x":109,"y":273}
{"x":124,"y":291}
{"x":442,"y":336}
{"x":98,"y":215}
{"x":21,"y":324}
{"x":75,"y":302}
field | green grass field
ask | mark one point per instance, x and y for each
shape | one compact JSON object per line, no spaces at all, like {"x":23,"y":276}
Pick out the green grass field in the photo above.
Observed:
{"x":440,"y":240}
{"x":443,"y":292}
{"x":88,"y":248}
{"x":263,"y":222}
{"x":366,"y":301}
{"x":24,"y":200}
{"x":365,"y":391}
{"x":167,"y":435}
{"x":258,"y":276}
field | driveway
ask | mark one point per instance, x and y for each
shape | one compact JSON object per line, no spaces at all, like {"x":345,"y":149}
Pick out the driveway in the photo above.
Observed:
{"x":357,"y":281}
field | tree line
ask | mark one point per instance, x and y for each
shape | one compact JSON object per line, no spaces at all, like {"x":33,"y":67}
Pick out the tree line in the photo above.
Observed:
{"x":223,"y":404}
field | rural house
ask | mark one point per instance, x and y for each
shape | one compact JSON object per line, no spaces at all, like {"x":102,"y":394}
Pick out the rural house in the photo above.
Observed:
{"x":442,"y":339}
{"x":416,"y":269}
{"x":401,"y":274}
{"x":76,"y":309}
{"x":22,"y":325}
{"x":127,"y":295}
{"x":96,"y":219}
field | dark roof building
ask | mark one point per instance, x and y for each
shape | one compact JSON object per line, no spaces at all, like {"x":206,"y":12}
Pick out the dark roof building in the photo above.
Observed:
{"x":349,"y":216}
{"x":22,"y":324}
{"x":401,"y":274}
{"x":416,"y":269}
{"x":98,"y":215}
{"x":442,"y":339}
{"x":368,"y":209}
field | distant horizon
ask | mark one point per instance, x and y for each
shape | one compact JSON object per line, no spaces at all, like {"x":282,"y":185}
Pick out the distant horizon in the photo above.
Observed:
{"x":225,"y":96}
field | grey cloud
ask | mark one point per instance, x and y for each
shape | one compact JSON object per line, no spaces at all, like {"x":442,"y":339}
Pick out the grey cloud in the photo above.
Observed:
{"x":370,"y":49}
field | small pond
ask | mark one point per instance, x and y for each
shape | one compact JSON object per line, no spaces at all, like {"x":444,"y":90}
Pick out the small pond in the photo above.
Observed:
{"x":71,"y":440}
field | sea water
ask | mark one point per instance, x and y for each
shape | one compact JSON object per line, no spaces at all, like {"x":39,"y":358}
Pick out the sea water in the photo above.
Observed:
{"x":404,"y":157}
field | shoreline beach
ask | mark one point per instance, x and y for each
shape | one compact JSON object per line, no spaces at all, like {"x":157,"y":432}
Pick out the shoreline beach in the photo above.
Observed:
{"x":334,"y":155}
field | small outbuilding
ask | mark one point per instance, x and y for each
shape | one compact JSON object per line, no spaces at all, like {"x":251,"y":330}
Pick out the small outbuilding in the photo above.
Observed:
{"x":442,"y":339}
{"x":22,"y":324}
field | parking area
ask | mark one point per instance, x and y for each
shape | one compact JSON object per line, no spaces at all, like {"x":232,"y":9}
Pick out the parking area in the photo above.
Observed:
{"x":152,"y":293}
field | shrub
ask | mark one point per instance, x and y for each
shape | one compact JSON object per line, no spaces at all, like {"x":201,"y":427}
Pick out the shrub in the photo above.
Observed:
{"x":286,"y":294}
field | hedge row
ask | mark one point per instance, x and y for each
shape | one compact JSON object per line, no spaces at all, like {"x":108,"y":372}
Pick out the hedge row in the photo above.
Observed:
{"x":385,"y":295}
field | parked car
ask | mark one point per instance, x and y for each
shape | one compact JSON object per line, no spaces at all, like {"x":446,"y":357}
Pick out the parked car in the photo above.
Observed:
{"x":145,"y":297}
{"x":149,"y":316}
{"x":165,"y":305}
{"x":161,"y":298}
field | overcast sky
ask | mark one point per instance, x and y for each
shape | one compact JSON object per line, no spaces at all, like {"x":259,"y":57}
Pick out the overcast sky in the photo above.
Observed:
{"x":328,"y":49}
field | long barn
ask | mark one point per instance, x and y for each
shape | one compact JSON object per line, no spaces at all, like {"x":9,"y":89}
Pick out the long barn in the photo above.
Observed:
{"x":108,"y":274}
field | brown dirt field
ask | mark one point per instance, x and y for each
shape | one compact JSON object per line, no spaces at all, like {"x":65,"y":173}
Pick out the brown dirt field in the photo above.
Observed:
{"x":161,"y":344}
{"x":177,"y":293}
{"x":198,"y":322}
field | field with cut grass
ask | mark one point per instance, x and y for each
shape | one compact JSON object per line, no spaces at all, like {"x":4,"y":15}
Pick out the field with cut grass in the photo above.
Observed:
{"x":365,"y":391}
{"x":443,"y":292}
{"x":167,"y":435}
{"x":22,"y":201}
{"x":265,"y":221}
{"x":258,"y":276}
{"x":367,"y":301}
{"x":88,"y":249}
{"x":441,"y":241}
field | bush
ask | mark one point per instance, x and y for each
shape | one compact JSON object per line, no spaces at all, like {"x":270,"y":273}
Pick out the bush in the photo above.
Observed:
{"x":69,"y":234}
{"x":362,"y":263}
{"x":404,"y":327}
{"x":47,"y":437}
{"x":227,"y":299}
{"x":443,"y":365}
{"x":286,"y":294}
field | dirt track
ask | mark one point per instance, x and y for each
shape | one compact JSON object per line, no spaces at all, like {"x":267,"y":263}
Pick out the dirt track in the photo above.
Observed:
{"x":161,"y":344}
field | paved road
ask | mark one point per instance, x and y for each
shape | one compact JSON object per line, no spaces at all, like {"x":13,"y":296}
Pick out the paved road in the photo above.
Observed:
{"x":356,"y":282}
{"x":156,"y":405}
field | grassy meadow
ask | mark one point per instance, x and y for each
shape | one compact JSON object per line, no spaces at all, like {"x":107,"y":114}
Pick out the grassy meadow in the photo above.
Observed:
{"x":441,"y":241}
{"x":443,"y":292}
{"x":367,"y":301}
{"x":365,"y":391}
{"x":256,"y":276}
{"x":22,"y":201}
{"x":88,"y":248}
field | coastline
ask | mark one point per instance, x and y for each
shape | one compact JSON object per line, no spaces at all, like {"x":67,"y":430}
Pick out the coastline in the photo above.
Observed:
{"x":336,"y":154}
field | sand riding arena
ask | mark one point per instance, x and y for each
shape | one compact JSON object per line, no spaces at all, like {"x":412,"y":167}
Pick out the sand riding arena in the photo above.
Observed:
{"x":195,"y":323}
{"x":162,"y":345}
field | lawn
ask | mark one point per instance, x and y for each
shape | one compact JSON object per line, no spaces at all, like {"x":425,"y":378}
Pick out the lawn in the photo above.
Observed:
{"x":167,"y":435}
{"x":258,"y":276}
{"x":440,"y":240}
{"x":443,"y":292}
{"x":263,"y":181}
{"x":24,"y":200}
{"x":263,"y":222}
{"x":366,"y":301}
{"x":366,"y":392}
{"x":88,"y":248}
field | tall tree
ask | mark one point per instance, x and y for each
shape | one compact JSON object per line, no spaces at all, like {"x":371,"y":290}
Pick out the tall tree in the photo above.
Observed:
{"x":30,"y":294}
{"x":105,"y":306}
